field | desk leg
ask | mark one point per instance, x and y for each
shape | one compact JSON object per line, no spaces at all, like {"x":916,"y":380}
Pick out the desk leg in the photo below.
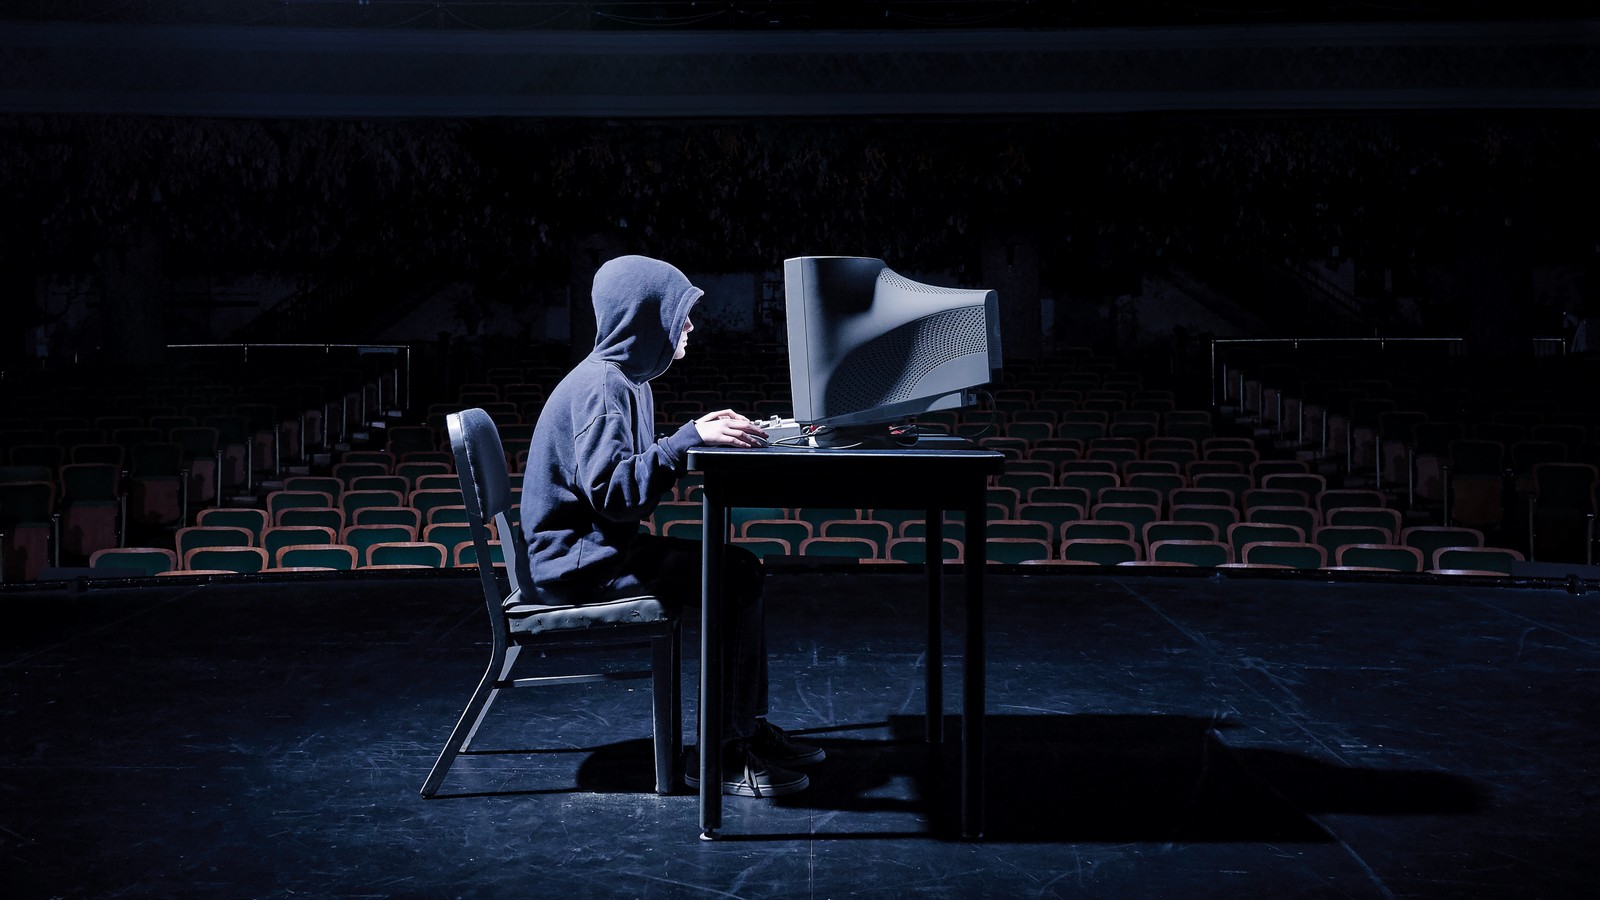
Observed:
{"x":715,"y":519}
{"x":934,"y":693}
{"x":972,"y":738}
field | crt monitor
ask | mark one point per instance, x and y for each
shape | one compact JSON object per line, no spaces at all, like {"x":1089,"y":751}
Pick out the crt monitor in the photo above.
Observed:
{"x":868,"y":346}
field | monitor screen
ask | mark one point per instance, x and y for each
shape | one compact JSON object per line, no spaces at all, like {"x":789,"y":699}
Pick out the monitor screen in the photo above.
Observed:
{"x":869,"y":346}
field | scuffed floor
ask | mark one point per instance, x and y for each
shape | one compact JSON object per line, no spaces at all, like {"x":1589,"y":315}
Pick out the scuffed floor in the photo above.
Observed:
{"x":1148,"y":736}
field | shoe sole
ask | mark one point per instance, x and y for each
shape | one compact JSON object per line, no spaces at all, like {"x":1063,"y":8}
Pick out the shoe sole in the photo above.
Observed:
{"x":741,"y":789}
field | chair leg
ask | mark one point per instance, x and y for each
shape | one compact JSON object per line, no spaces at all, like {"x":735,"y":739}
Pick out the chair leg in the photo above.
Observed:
{"x":667,"y":707}
{"x":471,"y":717}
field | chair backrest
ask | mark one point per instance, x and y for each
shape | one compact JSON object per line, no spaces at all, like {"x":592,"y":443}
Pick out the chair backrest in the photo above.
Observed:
{"x":1477,"y":559}
{"x":243,"y":560}
{"x":1289,"y":554}
{"x":1394,"y":557}
{"x":410,"y":553}
{"x":1429,"y":538}
{"x":486,"y":492}
{"x":1207,"y":554}
{"x":319,"y":556}
{"x":147,"y":560}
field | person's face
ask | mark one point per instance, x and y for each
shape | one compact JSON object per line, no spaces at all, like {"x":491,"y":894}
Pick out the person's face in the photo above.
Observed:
{"x":683,"y":339}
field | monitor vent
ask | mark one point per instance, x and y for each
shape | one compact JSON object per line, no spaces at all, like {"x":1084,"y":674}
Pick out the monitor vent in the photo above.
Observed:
{"x":894,"y":279}
{"x":891,"y":368}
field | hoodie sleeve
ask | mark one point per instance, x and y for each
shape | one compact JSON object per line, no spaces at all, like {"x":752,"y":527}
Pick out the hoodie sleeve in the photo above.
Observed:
{"x":623,"y":485}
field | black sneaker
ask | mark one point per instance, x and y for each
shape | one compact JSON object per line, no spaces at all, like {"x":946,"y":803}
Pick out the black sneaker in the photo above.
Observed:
{"x":773,"y":743}
{"x":747,"y":775}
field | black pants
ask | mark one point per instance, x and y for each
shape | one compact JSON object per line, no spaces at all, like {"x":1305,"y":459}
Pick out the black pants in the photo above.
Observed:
{"x":669,"y":568}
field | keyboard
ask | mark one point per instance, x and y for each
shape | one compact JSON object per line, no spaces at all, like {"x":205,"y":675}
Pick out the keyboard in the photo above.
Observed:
{"x":780,"y":430}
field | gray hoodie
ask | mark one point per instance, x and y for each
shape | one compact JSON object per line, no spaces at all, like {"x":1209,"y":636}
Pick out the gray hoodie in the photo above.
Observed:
{"x":595,"y":467}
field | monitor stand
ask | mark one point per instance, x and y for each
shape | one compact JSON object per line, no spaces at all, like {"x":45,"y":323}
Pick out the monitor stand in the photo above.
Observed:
{"x":865,"y":437}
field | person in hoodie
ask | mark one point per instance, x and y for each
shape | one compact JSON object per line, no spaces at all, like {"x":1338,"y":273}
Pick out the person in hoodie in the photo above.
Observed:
{"x":596,"y":468}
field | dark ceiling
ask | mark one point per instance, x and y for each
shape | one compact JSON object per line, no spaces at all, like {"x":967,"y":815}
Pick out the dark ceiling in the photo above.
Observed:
{"x":523,"y":15}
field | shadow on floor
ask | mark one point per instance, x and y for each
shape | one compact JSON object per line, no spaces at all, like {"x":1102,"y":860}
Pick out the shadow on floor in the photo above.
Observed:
{"x":1088,"y":778}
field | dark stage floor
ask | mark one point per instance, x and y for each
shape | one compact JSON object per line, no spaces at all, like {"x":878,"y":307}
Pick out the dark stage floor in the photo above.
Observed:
{"x":1150,"y":736}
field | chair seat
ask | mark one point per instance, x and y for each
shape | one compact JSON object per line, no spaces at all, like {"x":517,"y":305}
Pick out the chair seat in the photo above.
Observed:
{"x":529,"y":618}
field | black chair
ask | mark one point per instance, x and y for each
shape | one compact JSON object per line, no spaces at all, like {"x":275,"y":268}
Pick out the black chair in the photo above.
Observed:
{"x":517,"y":620}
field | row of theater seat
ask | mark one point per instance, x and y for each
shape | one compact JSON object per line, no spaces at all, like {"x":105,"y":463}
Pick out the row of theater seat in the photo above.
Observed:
{"x":1456,"y":442}
{"x":1072,"y":430}
{"x":889,"y":535}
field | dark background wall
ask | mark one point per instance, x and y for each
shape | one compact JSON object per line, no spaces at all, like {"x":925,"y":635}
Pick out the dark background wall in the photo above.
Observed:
{"x":1432,"y":170}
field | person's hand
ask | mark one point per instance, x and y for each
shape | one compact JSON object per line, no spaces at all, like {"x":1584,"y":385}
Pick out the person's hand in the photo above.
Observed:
{"x":726,"y":428}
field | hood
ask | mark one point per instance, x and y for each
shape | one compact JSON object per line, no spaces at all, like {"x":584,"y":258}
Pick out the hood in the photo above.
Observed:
{"x":640,"y":305}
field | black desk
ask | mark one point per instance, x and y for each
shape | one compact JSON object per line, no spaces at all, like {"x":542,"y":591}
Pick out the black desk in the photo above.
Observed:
{"x":939,"y":474}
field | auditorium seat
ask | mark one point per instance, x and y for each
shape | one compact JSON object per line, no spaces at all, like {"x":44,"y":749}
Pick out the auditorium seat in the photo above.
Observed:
{"x":1528,"y":455}
{"x":1429,"y":538}
{"x":1335,"y":498}
{"x":1235,"y":483}
{"x":365,"y":537}
{"x":879,"y":533}
{"x":1219,"y":516}
{"x":92,"y":508}
{"x":277,"y":537}
{"x":1260,"y":470}
{"x":239,"y":560}
{"x":1475,"y":478}
{"x":449,"y":534}
{"x":412,"y":471}
{"x":914,"y":550}
{"x":322,"y":556}
{"x":1334,"y":538}
{"x":1100,"y":551}
{"x":1177,"y":449}
{"x":397,"y":483}
{"x":1242,"y":534}
{"x":392,"y":515}
{"x":1170,"y":530}
{"x":1430,"y":450}
{"x":1257,"y":497}
{"x":1387,"y":518}
{"x":323,"y":516}
{"x":197,"y":536}
{"x":1092,"y":482}
{"x":278,"y":501}
{"x":425,"y":500}
{"x":1138,"y":496}
{"x":1075,"y":495}
{"x":326,"y":484}
{"x":1203,"y":496}
{"x":1286,"y":554}
{"x":1389,"y":557}
{"x":995,"y":529}
{"x":253,"y":519}
{"x":835,"y":547}
{"x":1055,"y":515}
{"x":157,"y":494}
{"x":1205,"y":554}
{"x":465,"y":554}
{"x":1164,"y":483}
{"x":1009,"y":550}
{"x":1308,"y":483}
{"x":1137,"y":515}
{"x":1474,"y":560}
{"x":917,"y":528}
{"x":141,"y":560}
{"x":791,"y":531}
{"x":405,"y":554}
{"x":819,"y":515}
